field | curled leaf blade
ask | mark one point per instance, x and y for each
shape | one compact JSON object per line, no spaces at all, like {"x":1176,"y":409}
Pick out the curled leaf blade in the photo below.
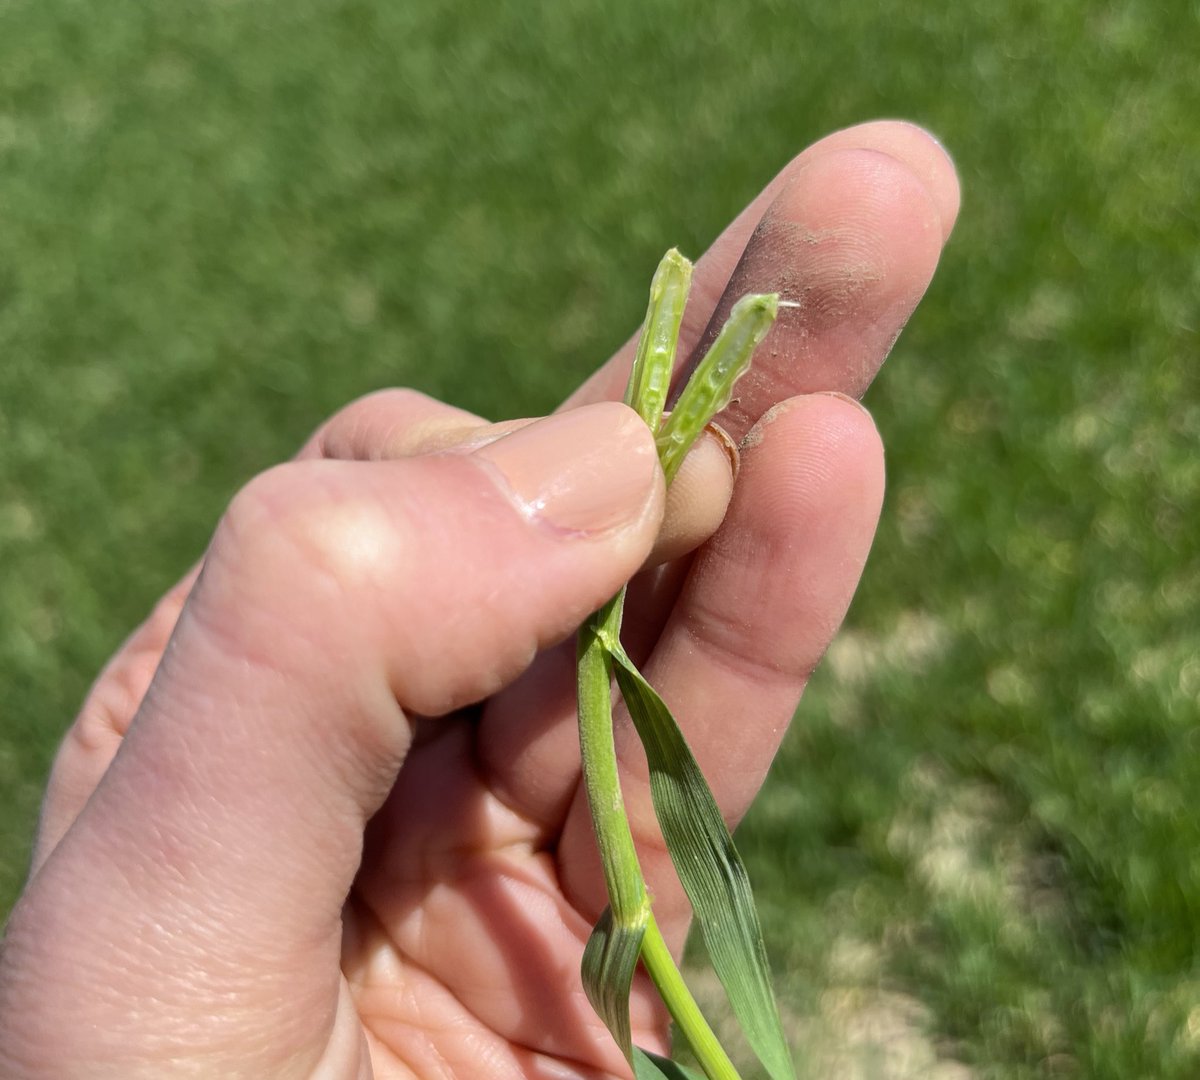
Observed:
{"x":610,"y":959}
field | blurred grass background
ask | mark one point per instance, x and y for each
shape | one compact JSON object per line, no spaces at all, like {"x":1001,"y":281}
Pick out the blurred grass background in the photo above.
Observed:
{"x":979,"y":853}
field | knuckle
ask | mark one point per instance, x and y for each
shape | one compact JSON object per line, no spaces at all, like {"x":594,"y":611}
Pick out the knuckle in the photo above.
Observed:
{"x":393,"y":400}
{"x":111,"y":703}
{"x":261,"y":507}
{"x":378,"y":425}
{"x":313,"y":522}
{"x":342,"y":436}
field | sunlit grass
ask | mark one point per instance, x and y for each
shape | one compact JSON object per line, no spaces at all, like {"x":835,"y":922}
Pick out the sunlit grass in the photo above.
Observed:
{"x":219,"y":222}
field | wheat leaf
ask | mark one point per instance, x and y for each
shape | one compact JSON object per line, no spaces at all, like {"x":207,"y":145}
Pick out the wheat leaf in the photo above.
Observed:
{"x":609,"y":960}
{"x":709,"y":867}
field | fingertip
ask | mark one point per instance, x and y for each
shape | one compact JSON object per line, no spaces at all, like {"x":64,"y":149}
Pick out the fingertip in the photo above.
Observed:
{"x":851,"y":414}
{"x":698,"y":496}
{"x":848,"y":189}
{"x":934,"y":164}
{"x":853,"y":241}
{"x":830,"y":443}
{"x":825,"y":416}
{"x":915,"y":148}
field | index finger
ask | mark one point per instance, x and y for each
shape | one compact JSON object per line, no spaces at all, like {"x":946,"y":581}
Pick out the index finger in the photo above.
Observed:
{"x":788,"y":239}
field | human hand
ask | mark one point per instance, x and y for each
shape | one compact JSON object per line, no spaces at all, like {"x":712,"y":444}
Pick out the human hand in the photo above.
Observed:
{"x":321,"y":815}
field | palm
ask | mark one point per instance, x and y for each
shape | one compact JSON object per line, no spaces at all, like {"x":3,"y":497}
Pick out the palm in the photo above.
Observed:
{"x":459,"y":938}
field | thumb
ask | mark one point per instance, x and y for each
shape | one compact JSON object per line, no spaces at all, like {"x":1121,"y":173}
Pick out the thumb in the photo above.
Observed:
{"x":198,"y":895}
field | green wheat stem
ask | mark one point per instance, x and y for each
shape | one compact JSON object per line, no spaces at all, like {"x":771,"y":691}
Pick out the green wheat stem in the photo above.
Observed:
{"x":628,"y":899}
{"x":668,"y":980}
{"x":622,"y":872}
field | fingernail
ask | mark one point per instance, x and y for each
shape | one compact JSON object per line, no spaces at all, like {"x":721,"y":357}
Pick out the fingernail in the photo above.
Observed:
{"x":725,"y":441}
{"x":591,"y":470}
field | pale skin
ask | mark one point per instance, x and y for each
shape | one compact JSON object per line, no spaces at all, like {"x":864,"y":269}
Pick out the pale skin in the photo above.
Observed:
{"x":321,"y":815}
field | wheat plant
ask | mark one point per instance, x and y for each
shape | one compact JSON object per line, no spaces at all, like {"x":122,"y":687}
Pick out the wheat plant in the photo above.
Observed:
{"x":701,"y":848}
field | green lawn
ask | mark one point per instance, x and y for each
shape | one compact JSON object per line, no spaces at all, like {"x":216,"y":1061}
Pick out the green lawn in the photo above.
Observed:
{"x":219,"y":221}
